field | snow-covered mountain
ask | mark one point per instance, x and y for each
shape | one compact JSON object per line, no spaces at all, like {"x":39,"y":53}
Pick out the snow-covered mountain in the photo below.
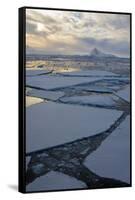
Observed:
{"x":97,"y":53}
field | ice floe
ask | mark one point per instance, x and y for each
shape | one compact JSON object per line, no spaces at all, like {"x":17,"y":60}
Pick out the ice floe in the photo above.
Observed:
{"x":51,"y":82}
{"x":104,"y":85}
{"x":35,"y":72}
{"x":94,"y":99}
{"x":51,"y":95}
{"x":55,"y":181}
{"x":112,"y":158}
{"x":27,"y":161}
{"x":124,"y":93}
{"x":27,"y":90}
{"x":50,"y":124}
{"x":90,"y":73}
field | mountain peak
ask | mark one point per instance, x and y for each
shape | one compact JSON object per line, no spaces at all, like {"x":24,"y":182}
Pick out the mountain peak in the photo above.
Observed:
{"x":97,"y":53}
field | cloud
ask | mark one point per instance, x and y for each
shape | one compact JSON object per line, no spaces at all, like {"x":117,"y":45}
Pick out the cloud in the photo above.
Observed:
{"x":77,"y":32}
{"x":38,"y":17}
{"x":108,"y":45}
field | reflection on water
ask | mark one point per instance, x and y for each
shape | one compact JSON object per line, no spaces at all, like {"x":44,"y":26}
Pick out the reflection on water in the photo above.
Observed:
{"x":65,"y":69}
{"x":32,"y":100}
{"x":52,"y":68}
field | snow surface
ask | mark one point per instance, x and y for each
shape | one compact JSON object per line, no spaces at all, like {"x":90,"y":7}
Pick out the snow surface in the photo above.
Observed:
{"x":32,"y":100}
{"x":50,"y":124}
{"x":125,"y":93}
{"x":34,"y":72}
{"x":90,"y":73}
{"x":112,"y":158}
{"x":50,"y":82}
{"x":52,"y":95}
{"x":95,"y":99}
{"x":55,"y":181}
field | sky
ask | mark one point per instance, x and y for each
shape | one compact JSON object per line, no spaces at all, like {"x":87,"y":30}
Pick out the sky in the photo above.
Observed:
{"x":72,"y":33}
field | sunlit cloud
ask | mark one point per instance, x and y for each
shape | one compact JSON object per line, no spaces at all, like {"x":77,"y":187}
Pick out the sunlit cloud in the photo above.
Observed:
{"x":59,"y":32}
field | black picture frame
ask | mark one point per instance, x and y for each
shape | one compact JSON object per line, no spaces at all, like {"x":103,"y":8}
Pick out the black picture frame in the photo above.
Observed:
{"x":22,"y":101}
